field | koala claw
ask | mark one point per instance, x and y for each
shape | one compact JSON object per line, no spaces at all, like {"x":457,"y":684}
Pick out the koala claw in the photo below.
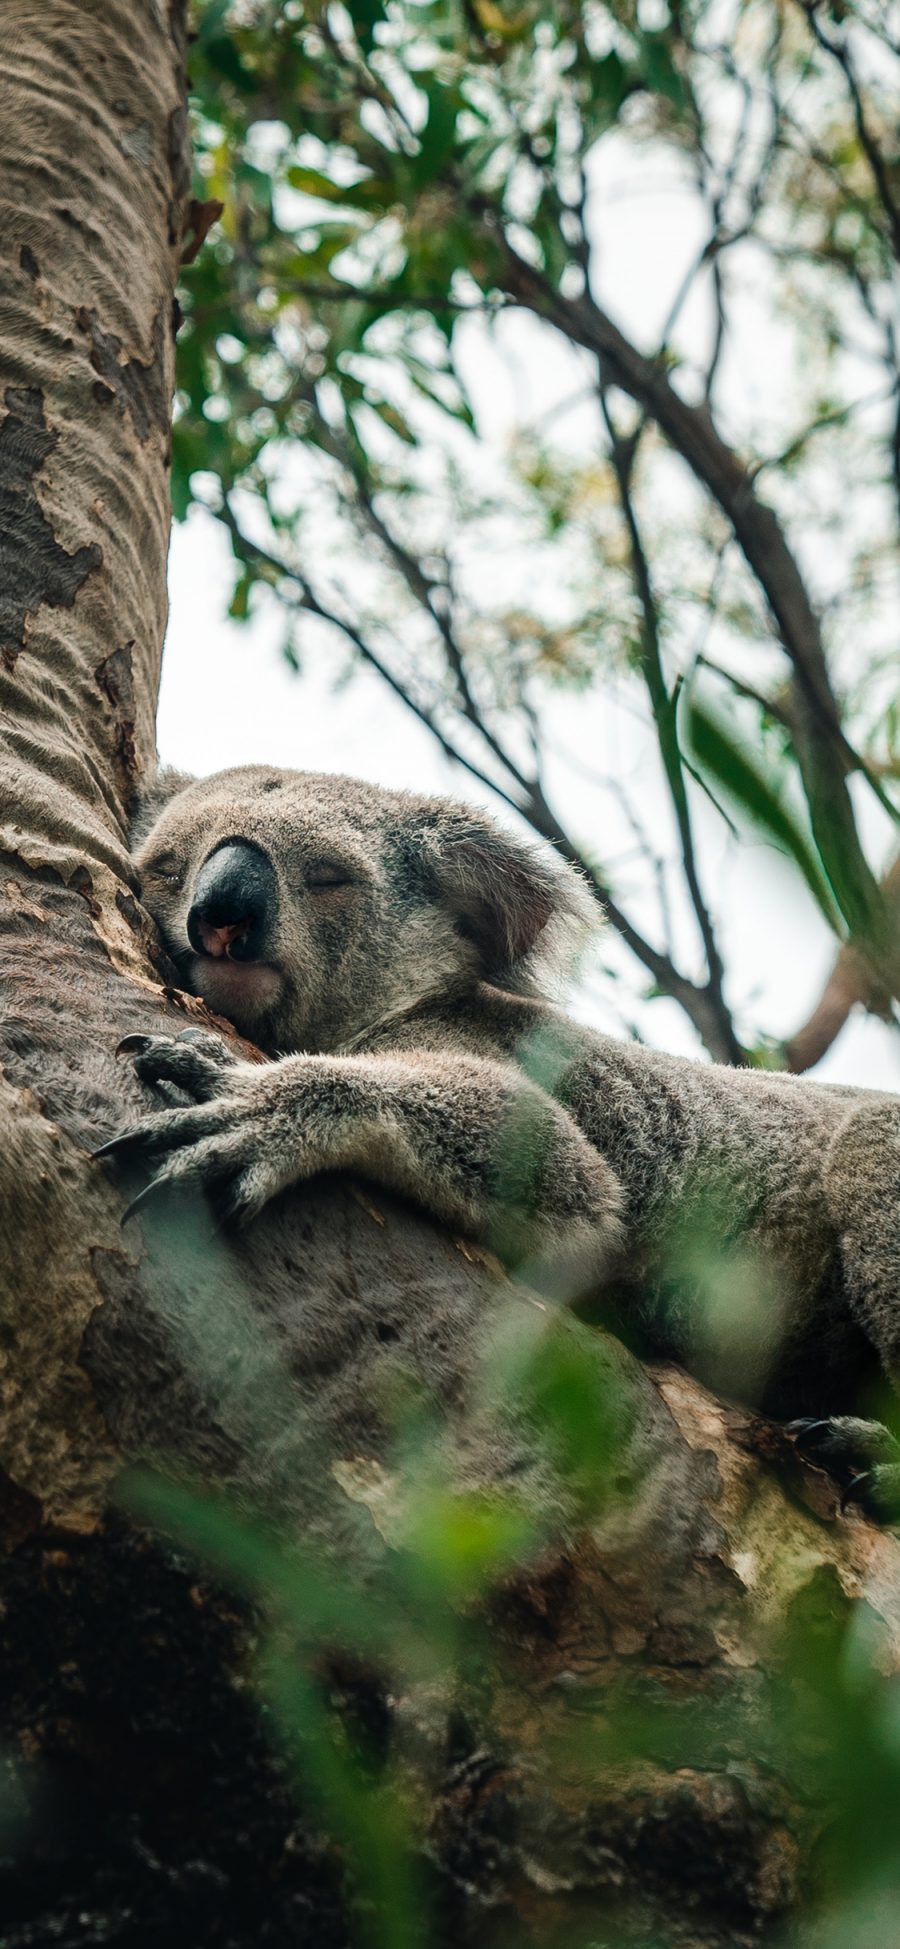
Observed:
{"x":877,"y":1493}
{"x":194,"y":1060}
{"x":225,"y":1188}
{"x":113,"y":1145}
{"x":224,"y":1197}
{"x":210,"y":1147}
{"x":805,"y":1431}
{"x":142,"y":1198}
{"x":131,"y":1044}
{"x":862,"y":1456}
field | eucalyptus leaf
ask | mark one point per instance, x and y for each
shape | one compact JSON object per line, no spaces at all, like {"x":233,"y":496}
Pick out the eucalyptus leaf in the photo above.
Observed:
{"x":720,"y":754}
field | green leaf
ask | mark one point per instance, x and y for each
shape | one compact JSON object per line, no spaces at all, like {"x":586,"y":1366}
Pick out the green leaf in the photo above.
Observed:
{"x":437,"y":137}
{"x":314,"y":183}
{"x":225,"y":63}
{"x":239,"y":606}
{"x":605,"y":86}
{"x":393,"y":419}
{"x":180,"y":490}
{"x":554,"y":249}
{"x":457,"y":406}
{"x":371,"y":192}
{"x":658,"y":69}
{"x":250,"y":1556}
{"x":458,"y":1542}
{"x":717,"y":752}
{"x":366,"y":15}
{"x":609,"y":80}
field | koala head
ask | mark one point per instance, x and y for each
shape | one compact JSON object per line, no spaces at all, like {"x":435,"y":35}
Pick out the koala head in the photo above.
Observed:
{"x":306,"y":907}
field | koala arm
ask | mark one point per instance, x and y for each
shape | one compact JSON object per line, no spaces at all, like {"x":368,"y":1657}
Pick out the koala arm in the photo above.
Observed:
{"x":472,"y":1140}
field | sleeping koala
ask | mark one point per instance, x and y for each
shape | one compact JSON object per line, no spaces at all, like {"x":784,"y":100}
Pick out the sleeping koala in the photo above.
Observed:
{"x":392,"y":955}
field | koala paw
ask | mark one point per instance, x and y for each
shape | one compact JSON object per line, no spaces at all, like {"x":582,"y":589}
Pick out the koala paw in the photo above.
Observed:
{"x":216,"y":1145}
{"x":194,"y":1060}
{"x":862,"y":1456}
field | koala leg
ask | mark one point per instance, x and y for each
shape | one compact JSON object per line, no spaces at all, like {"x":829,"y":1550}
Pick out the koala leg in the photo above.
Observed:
{"x":472,"y":1140}
{"x":862,"y":1188}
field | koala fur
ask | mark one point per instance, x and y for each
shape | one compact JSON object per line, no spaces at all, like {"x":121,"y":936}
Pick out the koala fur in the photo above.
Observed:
{"x":393,"y":954}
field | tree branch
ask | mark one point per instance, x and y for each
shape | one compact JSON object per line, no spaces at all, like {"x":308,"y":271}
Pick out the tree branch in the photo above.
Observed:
{"x":841,"y":54}
{"x":694,"y":1000}
{"x":823,"y":751}
{"x":246,"y":549}
{"x":381,"y":300}
{"x":853,"y":980}
{"x":422,"y":588}
{"x":663,"y":707}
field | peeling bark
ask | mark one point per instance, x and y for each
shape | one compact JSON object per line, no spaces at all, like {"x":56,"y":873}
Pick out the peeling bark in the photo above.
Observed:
{"x":137,"y":386}
{"x":33,"y":567}
{"x":152,"y":1805}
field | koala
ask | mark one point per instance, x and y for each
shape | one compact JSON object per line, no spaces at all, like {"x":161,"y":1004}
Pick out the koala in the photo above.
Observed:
{"x":395,"y":957}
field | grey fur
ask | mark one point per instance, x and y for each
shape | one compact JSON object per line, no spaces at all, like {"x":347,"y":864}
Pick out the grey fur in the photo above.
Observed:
{"x":747,"y":1222}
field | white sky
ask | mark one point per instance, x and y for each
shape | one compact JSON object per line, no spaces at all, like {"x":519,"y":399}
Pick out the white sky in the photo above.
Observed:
{"x":228,"y":697}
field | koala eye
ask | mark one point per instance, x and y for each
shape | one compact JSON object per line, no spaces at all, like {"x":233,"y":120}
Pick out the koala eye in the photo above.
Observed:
{"x":323,"y":879}
{"x":168,"y":869}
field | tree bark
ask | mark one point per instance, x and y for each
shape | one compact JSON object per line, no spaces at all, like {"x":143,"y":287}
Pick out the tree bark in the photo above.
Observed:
{"x":144,"y":1801}
{"x":852,"y":981}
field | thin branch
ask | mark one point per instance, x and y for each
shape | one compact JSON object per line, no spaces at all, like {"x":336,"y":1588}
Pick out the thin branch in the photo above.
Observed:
{"x":838,"y":417}
{"x":646,"y":851}
{"x":694,"y":1000}
{"x":423,"y":590}
{"x":824,"y":753}
{"x":306,"y":599}
{"x":895,"y":453}
{"x":772,"y":706}
{"x":840,"y":53}
{"x":718,"y":344}
{"x":382,"y":300}
{"x":663,"y":709}
{"x":722,"y":237}
{"x":852,"y":981}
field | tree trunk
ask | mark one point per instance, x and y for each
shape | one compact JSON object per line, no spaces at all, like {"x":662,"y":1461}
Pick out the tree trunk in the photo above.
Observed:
{"x":144,"y":1800}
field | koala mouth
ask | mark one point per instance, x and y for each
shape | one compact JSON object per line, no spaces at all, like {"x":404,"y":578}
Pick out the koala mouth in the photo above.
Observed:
{"x":244,"y":991}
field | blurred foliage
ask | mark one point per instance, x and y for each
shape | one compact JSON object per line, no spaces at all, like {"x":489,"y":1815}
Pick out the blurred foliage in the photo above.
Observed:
{"x":417,"y":196}
{"x":325,"y":1630}
{"x":352,"y":1666}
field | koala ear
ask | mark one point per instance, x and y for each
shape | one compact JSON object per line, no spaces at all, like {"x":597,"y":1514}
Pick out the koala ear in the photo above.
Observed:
{"x":150,"y":799}
{"x":527,"y":911}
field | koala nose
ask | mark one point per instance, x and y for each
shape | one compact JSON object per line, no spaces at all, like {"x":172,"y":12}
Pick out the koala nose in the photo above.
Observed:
{"x":235,"y":903}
